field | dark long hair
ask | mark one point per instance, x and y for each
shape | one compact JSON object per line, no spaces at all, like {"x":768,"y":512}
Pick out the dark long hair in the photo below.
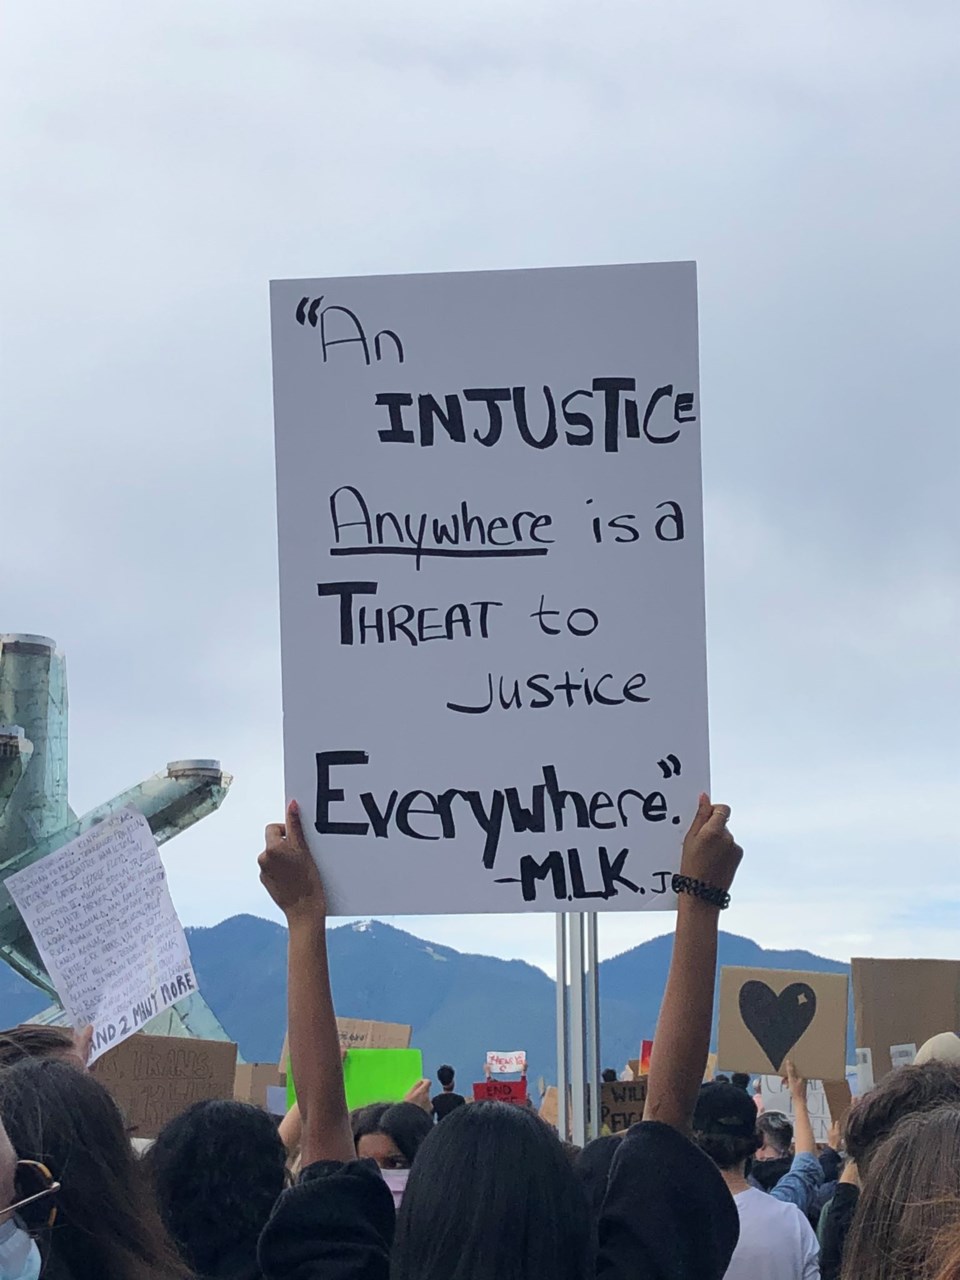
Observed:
{"x":217,"y":1170}
{"x":910,"y":1195}
{"x":492,"y":1196}
{"x":107,"y":1224}
{"x":403,"y":1122}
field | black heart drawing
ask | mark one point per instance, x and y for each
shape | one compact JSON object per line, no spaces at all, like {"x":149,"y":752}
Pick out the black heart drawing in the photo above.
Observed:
{"x":777,"y":1022}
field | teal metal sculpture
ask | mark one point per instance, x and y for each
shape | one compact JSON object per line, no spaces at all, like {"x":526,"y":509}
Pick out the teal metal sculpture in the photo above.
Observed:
{"x":35,"y":816}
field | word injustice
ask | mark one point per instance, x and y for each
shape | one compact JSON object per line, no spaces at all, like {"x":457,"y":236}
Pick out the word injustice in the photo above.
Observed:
{"x":618,"y":416}
{"x":460,"y":534}
{"x":437,"y":814}
{"x":510,"y":694}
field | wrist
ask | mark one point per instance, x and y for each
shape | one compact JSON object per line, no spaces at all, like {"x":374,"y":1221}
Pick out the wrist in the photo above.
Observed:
{"x":306,"y":920}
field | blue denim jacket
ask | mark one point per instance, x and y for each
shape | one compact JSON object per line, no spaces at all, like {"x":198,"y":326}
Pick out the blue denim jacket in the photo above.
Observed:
{"x":799,"y":1184}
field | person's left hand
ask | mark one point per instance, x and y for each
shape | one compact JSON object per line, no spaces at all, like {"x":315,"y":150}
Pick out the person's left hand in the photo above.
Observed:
{"x":834,"y":1135}
{"x":419,"y":1095}
{"x":288,"y":871}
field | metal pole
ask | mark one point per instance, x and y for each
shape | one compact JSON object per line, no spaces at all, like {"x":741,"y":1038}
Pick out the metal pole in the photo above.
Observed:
{"x":593,"y":1023}
{"x":578,"y":1129}
{"x":563,"y":1120}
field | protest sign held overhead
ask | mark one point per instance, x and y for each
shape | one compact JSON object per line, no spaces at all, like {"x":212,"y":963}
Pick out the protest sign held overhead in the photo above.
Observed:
{"x":155,"y":1078}
{"x":770,"y":1015}
{"x":500,"y":1091}
{"x":491,"y":581}
{"x":776,"y":1096}
{"x":899,"y":1004}
{"x":502,"y":1064}
{"x":621,"y":1104}
{"x":101,"y":916}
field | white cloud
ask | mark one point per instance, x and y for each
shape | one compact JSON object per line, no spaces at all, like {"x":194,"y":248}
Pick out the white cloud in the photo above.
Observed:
{"x":163,"y":162}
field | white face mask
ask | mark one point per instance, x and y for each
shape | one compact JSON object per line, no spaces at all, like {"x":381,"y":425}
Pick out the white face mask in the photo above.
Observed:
{"x":19,"y":1255}
{"x":396,"y":1180}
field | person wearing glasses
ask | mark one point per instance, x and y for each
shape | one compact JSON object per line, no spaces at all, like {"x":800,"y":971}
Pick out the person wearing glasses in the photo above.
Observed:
{"x":74,"y":1156}
{"x":27,"y":1197}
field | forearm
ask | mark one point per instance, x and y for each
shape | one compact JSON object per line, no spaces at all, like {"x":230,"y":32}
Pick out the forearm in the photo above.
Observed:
{"x":682,"y":1039}
{"x":803,"y":1139}
{"x":315,"y":1045}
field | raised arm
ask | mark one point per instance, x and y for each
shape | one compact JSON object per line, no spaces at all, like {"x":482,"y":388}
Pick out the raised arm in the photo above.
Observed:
{"x":290,"y":876}
{"x":682,"y":1040}
{"x":803,"y":1139}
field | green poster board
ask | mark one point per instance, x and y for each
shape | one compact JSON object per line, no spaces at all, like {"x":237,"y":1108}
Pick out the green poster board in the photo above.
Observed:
{"x":375,"y":1075}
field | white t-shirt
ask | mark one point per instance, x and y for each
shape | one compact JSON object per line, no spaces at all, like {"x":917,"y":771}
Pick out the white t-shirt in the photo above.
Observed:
{"x":776,"y":1241}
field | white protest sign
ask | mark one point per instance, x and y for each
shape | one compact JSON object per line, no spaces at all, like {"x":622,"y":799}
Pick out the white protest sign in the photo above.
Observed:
{"x":864,"y":1071}
{"x":100,"y":913}
{"x":491,"y":584}
{"x":502,"y":1064}
{"x":902,"y":1055}
{"x":775,"y":1093}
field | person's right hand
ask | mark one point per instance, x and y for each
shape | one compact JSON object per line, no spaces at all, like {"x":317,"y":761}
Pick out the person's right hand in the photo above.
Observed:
{"x":288,"y":871}
{"x":419,"y":1095}
{"x":835,"y":1135}
{"x":796,"y":1084}
{"x":710,"y":853}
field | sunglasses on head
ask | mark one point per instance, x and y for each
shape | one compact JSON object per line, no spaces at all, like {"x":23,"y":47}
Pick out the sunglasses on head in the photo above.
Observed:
{"x":35,"y":1189}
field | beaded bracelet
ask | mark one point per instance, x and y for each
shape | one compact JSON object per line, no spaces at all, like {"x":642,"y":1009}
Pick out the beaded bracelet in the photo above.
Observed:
{"x":699,"y":889}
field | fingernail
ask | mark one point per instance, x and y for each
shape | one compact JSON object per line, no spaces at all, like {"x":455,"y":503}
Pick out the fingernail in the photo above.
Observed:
{"x":295,"y":808}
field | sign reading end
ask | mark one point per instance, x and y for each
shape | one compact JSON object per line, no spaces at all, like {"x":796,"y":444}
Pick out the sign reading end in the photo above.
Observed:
{"x":491,"y":584}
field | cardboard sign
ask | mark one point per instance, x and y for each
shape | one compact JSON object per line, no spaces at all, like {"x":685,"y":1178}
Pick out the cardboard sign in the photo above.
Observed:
{"x":776,"y":1097}
{"x":500,"y":1091}
{"x":101,"y":915}
{"x":491,"y":584}
{"x":503,"y":1064}
{"x":155,"y":1078}
{"x":903,"y":1002}
{"x":254,"y":1080}
{"x":621,"y":1104}
{"x":839,"y":1099}
{"x":711,"y":1070}
{"x":361,"y":1033}
{"x":770,"y":1015}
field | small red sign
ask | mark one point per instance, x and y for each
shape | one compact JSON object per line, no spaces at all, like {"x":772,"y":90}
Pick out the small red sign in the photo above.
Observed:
{"x":500,"y":1091}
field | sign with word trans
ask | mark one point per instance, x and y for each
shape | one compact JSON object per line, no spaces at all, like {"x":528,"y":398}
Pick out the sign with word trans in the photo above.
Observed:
{"x":491,"y":584}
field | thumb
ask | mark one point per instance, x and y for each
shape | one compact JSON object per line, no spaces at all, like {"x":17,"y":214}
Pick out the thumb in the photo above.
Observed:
{"x":702,"y":816}
{"x":717,"y":819}
{"x":295,"y":834}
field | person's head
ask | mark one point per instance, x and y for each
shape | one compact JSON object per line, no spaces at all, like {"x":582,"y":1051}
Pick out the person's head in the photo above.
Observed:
{"x":492,"y":1196}
{"x":19,"y":1255}
{"x":942,"y":1048}
{"x":946,"y":1252}
{"x":445,"y":1076}
{"x":725,"y":1126}
{"x":720,"y":1078}
{"x":776,"y":1135}
{"x":740,"y":1079}
{"x":390,"y":1133}
{"x":217,"y":1170}
{"x":904,"y":1092}
{"x":29,"y":1041}
{"x":107,"y":1223}
{"x":911,"y":1194}
{"x":609,"y":1075}
{"x":592,"y":1167}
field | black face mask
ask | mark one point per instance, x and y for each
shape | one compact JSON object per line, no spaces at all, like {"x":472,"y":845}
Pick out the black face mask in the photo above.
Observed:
{"x":767,"y":1173}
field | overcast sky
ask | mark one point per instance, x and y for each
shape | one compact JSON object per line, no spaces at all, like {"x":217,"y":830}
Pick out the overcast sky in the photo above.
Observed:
{"x":162,"y":162}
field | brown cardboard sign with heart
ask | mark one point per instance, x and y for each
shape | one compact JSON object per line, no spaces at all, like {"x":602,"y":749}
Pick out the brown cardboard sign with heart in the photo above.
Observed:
{"x":770,"y":1015}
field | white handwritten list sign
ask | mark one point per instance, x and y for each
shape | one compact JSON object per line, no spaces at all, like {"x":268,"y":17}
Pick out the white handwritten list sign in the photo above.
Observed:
{"x":100,"y":913}
{"x":491,"y":584}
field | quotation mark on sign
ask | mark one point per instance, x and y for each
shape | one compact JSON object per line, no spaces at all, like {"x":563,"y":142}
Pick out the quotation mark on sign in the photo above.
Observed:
{"x":310,"y":315}
{"x":347,"y":330}
{"x":670,"y":768}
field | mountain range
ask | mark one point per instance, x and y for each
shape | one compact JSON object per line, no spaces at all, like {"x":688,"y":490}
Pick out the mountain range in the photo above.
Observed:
{"x":459,"y":1005}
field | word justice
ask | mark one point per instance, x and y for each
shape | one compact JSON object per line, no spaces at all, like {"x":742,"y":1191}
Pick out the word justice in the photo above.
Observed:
{"x":607,"y":412}
{"x":592,"y":692}
{"x":428,"y":815}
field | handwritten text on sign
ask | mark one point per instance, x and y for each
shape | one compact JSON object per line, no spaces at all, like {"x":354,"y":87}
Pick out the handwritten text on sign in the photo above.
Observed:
{"x":491,"y":574}
{"x":100,"y":913}
{"x":505,"y":1063}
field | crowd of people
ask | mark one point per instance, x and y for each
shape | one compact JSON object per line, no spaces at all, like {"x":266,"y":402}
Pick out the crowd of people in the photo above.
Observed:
{"x":436,"y":1189}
